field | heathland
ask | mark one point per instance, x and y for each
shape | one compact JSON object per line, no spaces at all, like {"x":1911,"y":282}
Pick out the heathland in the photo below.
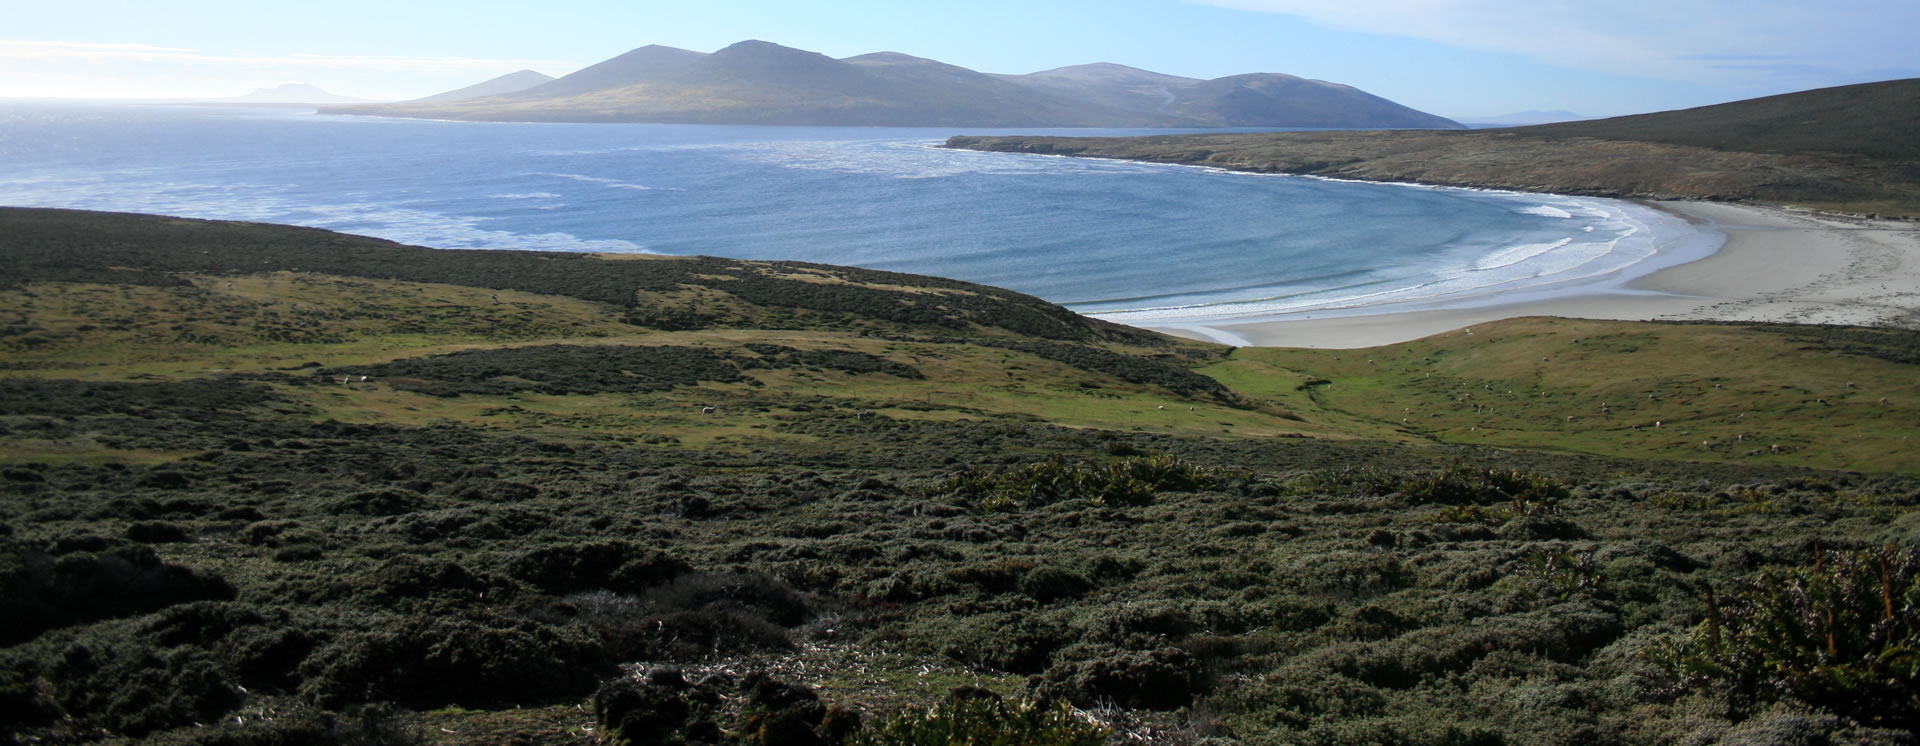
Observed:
{"x":262,"y":484}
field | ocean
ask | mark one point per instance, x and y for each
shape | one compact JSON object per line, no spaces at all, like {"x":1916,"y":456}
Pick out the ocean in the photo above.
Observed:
{"x":1137,"y":243}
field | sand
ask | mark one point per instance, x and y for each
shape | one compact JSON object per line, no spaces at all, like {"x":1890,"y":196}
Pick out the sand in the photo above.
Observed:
{"x":1776,"y":265}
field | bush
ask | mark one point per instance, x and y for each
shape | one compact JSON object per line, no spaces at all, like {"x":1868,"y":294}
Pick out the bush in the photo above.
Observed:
{"x":982,"y":721}
{"x":40,"y":592}
{"x":1160,"y":679}
{"x":472,"y":661}
{"x":1458,"y":484}
{"x":1843,"y":634}
{"x":618,"y":566}
{"x":661,"y":708}
{"x":1129,"y":481}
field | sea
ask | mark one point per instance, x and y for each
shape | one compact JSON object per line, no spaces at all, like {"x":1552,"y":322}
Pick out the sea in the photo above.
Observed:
{"x":1137,"y":243}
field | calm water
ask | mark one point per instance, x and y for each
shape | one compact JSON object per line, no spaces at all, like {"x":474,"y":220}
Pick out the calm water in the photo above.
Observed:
{"x":1133,"y":242}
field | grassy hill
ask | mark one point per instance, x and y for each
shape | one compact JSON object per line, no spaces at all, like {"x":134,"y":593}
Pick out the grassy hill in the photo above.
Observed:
{"x":1869,"y":120}
{"x":1851,"y":149}
{"x":263,"y":484}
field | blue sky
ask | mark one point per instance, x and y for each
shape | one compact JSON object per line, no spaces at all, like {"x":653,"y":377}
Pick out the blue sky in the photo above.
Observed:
{"x":1456,"y":58}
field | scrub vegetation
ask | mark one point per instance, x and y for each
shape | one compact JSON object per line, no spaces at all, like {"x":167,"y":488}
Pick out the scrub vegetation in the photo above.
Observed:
{"x":311,"y":488}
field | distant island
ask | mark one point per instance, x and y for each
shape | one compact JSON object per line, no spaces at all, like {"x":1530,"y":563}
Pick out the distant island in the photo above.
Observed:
{"x":1850,"y":148}
{"x":757,"y":82}
{"x":288,"y":94}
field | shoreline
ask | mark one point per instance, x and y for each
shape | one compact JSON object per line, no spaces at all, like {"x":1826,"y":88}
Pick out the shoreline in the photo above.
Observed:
{"x":1776,"y":265}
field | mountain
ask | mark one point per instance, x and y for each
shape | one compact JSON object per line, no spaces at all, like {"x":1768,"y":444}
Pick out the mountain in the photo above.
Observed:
{"x":758,"y":82}
{"x":290,"y":93}
{"x":651,"y":62}
{"x":510,"y":83}
{"x":1851,"y":148}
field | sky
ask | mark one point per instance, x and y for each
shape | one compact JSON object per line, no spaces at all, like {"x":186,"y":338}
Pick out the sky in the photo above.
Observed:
{"x":1455,"y":58}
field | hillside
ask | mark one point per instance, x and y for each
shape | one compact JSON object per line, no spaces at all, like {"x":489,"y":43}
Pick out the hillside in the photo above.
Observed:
{"x":509,"y":83}
{"x":1852,"y":149}
{"x":757,"y":82}
{"x":1879,"y":121}
{"x":262,"y":484}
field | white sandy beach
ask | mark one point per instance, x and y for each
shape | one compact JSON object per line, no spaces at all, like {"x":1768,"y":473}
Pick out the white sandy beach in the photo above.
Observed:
{"x":1777,"y":265}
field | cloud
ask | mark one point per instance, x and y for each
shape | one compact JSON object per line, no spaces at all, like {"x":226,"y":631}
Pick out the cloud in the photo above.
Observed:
{"x":1694,"y":40}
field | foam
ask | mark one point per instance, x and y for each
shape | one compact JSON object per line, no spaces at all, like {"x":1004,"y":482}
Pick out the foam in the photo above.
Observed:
{"x":1634,"y":247}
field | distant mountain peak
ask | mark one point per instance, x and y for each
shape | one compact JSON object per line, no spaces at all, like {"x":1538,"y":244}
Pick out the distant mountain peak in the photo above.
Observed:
{"x":760,"y":82}
{"x":512,"y":82}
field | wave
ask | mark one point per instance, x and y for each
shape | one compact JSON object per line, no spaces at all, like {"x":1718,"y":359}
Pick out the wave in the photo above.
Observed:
{"x":606,"y":182}
{"x":1638,"y":241}
{"x":1515,"y":255}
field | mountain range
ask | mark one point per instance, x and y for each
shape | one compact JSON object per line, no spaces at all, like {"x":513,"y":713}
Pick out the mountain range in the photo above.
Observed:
{"x":757,"y":82}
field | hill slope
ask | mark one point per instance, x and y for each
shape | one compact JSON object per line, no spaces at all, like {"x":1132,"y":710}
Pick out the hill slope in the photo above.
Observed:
{"x":262,"y":484}
{"x":1869,"y":120}
{"x":756,"y":82}
{"x":510,"y":83}
{"x":1854,"y":148}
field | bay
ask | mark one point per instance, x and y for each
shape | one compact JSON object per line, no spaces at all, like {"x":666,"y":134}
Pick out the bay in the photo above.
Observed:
{"x":1138,"y":243}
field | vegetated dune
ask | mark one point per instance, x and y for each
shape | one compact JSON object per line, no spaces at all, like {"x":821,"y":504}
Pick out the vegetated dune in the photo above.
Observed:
{"x":1850,"y":148}
{"x":267,"y":485}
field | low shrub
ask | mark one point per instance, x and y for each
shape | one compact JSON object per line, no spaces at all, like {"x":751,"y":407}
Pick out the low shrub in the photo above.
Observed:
{"x":473,"y":660}
{"x":982,"y":721}
{"x":661,"y":707}
{"x":1458,"y":484}
{"x":1091,"y":675}
{"x":618,"y":566}
{"x":1125,"y":482}
{"x":1843,"y":634}
{"x":41,"y":592}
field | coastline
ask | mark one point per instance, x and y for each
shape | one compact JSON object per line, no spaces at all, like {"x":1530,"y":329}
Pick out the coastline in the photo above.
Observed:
{"x":1776,"y":265}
